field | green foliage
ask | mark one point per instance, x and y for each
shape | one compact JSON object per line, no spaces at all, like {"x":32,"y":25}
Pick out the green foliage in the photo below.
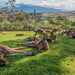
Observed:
{"x":60,"y":18}
{"x":1,"y":18}
{"x":43,"y":24}
{"x":73,"y":24}
{"x":20,"y":20}
{"x":5,"y":25}
{"x":67,"y":22}
{"x":55,"y":22}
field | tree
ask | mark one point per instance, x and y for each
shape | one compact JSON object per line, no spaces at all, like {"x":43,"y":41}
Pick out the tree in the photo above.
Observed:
{"x":1,"y":18}
{"x":67,"y":22}
{"x":11,"y":4}
{"x":60,"y":18}
{"x":73,"y":24}
{"x":25,"y":24}
{"x":5,"y":11}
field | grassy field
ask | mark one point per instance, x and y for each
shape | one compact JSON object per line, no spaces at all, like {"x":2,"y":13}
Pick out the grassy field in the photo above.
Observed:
{"x":70,"y":16}
{"x":58,"y":60}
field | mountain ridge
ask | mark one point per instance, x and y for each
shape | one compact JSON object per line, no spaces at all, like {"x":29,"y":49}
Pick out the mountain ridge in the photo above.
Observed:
{"x":39,"y":9}
{"x":31,"y":8}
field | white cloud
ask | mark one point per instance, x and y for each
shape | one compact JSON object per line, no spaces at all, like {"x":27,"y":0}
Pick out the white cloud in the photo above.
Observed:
{"x":58,"y":4}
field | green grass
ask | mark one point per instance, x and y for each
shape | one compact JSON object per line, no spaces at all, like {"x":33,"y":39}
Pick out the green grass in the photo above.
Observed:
{"x":58,"y":60}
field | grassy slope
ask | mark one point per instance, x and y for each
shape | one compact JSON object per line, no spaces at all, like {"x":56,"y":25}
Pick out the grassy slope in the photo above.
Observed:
{"x":58,"y":60}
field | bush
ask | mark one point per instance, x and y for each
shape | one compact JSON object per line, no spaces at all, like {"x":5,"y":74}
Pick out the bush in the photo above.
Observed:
{"x":73,"y":24}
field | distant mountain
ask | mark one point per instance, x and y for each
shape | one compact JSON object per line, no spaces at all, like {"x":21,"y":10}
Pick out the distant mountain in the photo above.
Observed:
{"x":30,"y":8}
{"x":72,"y":11}
{"x":39,"y":9}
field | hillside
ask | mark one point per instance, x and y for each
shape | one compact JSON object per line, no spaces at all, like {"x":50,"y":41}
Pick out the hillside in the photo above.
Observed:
{"x":58,"y":60}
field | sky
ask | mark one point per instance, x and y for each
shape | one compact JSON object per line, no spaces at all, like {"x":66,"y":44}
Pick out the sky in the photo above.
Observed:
{"x":68,"y":5}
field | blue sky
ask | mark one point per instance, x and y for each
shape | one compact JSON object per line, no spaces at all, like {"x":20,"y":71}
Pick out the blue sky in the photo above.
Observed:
{"x":58,"y":4}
